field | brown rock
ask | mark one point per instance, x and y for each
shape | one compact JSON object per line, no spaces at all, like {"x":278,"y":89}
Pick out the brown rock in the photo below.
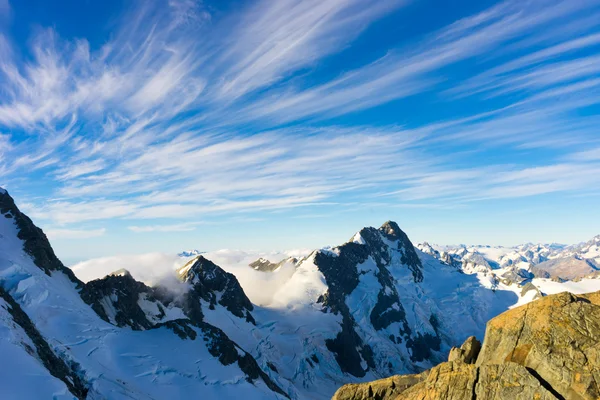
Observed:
{"x":387,"y":388}
{"x":509,"y":381}
{"x":450,"y":380}
{"x":557,"y":337}
{"x":467,"y":353}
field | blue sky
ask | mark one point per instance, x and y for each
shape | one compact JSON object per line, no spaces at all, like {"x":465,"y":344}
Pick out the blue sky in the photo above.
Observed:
{"x":128,"y":127}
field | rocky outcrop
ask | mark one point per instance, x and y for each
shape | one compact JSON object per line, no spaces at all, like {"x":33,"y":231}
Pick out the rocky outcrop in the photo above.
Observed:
{"x":388,"y":388}
{"x":547,"y":349}
{"x":116,"y":299}
{"x":213,"y":285}
{"x":467,"y":353}
{"x":530,"y":287}
{"x":556,"y":337}
{"x":263,"y":265}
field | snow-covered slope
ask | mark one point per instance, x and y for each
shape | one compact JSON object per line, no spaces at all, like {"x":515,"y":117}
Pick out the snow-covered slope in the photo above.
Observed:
{"x":542,"y":260}
{"x":91,"y":357}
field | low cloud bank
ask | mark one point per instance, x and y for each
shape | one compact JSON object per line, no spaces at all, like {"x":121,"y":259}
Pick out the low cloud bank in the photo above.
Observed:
{"x":159,"y":268}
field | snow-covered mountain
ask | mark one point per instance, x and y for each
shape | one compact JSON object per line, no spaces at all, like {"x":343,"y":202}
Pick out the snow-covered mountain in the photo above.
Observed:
{"x":190,"y":253}
{"x":541,"y":260}
{"x":114,"y":339}
{"x":366,"y":309}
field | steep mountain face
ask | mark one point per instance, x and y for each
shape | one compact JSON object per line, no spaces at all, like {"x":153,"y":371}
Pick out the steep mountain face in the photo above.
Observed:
{"x":35,"y":242}
{"x":22,"y":342}
{"x":111,"y":338}
{"x":215,"y":286}
{"x":547,"y":349}
{"x":362,"y":265}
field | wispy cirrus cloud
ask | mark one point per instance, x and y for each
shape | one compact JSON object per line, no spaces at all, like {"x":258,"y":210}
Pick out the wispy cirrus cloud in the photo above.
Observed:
{"x":183,"y":114}
{"x":187,"y":227}
{"x":75,"y":233}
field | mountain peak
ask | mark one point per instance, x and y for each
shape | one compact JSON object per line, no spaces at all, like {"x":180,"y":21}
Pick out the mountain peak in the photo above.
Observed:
{"x":214,"y":285}
{"x":391,"y":230}
{"x":35,"y":242}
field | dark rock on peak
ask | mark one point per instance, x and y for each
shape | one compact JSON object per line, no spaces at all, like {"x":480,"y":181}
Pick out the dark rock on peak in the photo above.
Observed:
{"x":120,"y":272}
{"x":392,"y":231}
{"x":409,"y":256}
{"x":116,"y":299}
{"x":388,"y":247}
{"x":35,"y":242}
{"x":208,"y":280}
{"x":528,"y":287}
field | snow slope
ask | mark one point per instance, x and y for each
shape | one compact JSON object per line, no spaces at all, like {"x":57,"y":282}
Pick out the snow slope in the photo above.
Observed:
{"x":115,"y":363}
{"x":22,"y":375}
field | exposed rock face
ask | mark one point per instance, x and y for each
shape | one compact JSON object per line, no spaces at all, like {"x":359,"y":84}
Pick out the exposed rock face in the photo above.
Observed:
{"x":531,"y":287}
{"x":558,"y":337}
{"x":342,"y":269}
{"x":263,"y":265}
{"x":547,"y":349}
{"x":467,"y":353}
{"x":453,"y":380}
{"x":213,"y":285}
{"x":388,"y":388}
{"x":116,"y":299}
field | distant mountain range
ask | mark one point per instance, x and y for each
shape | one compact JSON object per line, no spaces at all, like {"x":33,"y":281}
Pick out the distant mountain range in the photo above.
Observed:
{"x":555,"y":261}
{"x":190,"y":253}
{"x":372,"y":307}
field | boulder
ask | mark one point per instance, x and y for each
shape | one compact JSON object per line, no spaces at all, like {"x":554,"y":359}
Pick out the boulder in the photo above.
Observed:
{"x":467,"y":353}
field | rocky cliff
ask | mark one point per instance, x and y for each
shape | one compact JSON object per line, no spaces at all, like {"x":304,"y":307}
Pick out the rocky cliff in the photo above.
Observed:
{"x":547,"y":349}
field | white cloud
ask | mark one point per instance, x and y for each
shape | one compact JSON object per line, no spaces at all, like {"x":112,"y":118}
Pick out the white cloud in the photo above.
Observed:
{"x":149,"y":268}
{"x":152,"y":268}
{"x":186,"y":227}
{"x":275,"y":39}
